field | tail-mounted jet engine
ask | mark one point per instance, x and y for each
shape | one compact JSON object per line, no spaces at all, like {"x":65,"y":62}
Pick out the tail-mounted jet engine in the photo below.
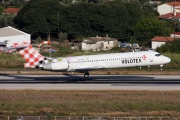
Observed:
{"x":56,"y":64}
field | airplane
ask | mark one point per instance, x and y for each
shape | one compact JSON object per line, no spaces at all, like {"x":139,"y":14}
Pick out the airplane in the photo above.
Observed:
{"x":86,"y":63}
{"x":12,"y":48}
{"x":4,"y":43}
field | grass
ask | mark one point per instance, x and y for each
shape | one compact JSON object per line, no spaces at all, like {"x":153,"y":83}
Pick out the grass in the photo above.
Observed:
{"x":175,"y":63}
{"x":11,"y":61}
{"x":94,"y":103}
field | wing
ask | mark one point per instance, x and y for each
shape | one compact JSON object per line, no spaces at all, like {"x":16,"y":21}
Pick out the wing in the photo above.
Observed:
{"x":89,"y":68}
{"x":13,"y":48}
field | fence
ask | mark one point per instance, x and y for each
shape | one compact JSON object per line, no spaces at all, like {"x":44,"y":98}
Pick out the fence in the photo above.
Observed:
{"x":83,"y":118}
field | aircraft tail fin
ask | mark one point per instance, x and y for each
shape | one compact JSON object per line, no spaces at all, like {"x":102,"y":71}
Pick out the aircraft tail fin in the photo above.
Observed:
{"x":32,"y":57}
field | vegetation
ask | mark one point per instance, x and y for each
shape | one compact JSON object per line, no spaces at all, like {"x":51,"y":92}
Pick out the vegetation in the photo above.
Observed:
{"x":6,"y":21}
{"x":154,"y":27}
{"x":132,"y":20}
{"x":95,"y":103}
{"x":170,"y":47}
{"x":1,"y":10}
{"x":38,"y":16}
{"x":116,"y":18}
{"x":12,"y":3}
{"x":11,"y":61}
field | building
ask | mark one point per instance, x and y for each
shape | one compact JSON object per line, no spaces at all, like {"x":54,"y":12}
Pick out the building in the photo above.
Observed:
{"x":170,"y":15}
{"x":13,"y":36}
{"x":159,"y":40}
{"x":99,"y":43}
{"x":11,"y":11}
{"x":175,"y":35}
{"x":170,"y":7}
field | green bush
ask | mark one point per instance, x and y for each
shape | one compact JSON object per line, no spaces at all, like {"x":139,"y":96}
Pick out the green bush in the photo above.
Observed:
{"x":173,"y":47}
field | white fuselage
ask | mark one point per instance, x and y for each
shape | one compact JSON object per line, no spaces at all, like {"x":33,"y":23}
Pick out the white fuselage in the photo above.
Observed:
{"x":102,"y":61}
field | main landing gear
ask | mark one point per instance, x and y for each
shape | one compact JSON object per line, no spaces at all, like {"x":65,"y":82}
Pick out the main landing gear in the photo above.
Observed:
{"x":86,"y":74}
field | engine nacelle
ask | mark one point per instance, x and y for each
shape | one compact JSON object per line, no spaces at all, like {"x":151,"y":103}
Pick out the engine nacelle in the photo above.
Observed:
{"x":56,"y":64}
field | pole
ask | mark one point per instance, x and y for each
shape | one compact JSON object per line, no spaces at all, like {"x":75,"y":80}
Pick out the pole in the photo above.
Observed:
{"x":174,"y":20}
{"x":58,"y":25}
{"x":58,"y":35}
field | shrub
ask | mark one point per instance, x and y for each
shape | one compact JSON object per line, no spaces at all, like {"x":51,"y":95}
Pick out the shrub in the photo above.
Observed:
{"x":173,"y":47}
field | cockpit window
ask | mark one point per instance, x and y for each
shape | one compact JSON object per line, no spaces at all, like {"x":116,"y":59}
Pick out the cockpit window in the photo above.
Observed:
{"x":157,"y":55}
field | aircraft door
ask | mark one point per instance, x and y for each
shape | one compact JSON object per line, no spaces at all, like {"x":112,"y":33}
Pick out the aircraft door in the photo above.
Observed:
{"x":151,"y":58}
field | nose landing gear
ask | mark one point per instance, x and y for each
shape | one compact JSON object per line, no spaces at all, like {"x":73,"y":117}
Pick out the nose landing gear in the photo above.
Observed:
{"x":161,"y":66}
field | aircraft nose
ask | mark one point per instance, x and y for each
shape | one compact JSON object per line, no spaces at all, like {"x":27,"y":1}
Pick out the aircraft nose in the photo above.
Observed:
{"x":167,"y":60}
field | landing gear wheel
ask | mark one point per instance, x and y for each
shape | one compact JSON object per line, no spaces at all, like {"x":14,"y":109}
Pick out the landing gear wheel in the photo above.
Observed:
{"x":161,"y":66}
{"x":86,"y":74}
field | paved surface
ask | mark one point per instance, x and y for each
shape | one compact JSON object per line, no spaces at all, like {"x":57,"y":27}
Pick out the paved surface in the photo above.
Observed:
{"x":94,"y":82}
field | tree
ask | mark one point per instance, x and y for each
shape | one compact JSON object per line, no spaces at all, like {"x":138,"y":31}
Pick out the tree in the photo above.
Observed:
{"x":83,"y":19}
{"x":1,"y":10}
{"x":6,"y":21}
{"x":75,"y":19}
{"x":38,"y":17}
{"x":63,"y":36}
{"x":18,"y":3}
{"x":134,"y":15}
{"x":110,"y":18}
{"x":147,"y":10}
{"x":65,"y":1}
{"x":176,"y":25}
{"x":173,"y":47}
{"x":147,"y":28}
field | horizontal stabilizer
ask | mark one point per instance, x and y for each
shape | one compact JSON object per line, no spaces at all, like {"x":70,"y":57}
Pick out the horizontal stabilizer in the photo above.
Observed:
{"x":13,"y":48}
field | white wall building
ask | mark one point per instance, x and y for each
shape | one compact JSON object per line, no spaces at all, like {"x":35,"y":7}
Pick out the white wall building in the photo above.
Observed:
{"x":108,"y":44}
{"x":168,"y":8}
{"x":158,"y":41}
{"x":99,"y":43}
{"x":88,"y":45}
{"x":156,"y":44}
{"x":13,"y":36}
{"x":175,"y":35}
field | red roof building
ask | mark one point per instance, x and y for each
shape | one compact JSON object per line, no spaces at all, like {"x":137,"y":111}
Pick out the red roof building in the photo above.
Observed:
{"x":163,"y":39}
{"x":11,"y":10}
{"x":170,"y":15}
{"x":176,"y":33}
{"x":160,"y":40}
{"x":175,"y":4}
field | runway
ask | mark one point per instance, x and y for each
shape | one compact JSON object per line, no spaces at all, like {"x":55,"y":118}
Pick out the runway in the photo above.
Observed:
{"x":94,"y":82}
